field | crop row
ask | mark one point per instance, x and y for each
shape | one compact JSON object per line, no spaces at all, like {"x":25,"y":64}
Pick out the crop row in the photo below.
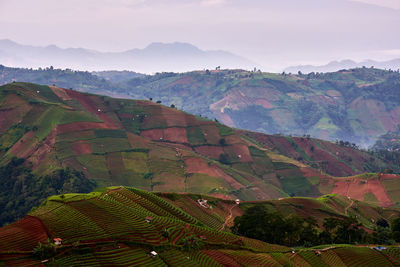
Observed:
{"x":71,"y":225}
{"x":203,"y":259}
{"x":246,"y":258}
{"x":176,"y":258}
{"x":352,"y":256}
{"x":180,"y":214}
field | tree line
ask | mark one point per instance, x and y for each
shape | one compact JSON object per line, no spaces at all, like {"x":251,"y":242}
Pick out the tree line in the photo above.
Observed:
{"x":272,"y":227}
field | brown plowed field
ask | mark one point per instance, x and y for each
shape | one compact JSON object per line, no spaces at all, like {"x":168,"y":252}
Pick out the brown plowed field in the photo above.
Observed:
{"x":238,"y":151}
{"x":45,"y":149}
{"x":13,"y":110}
{"x":197,"y":165}
{"x":60,"y":93}
{"x":81,"y":147}
{"x":211,"y":133}
{"x":24,"y":147}
{"x":174,"y":134}
{"x":23,"y":235}
{"x":87,"y":102}
{"x":81,"y":126}
{"x":155,"y":134}
{"x":357,"y":188}
{"x":209,"y":151}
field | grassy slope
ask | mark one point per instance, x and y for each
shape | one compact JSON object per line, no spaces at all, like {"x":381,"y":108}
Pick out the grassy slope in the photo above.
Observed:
{"x":356,"y":105}
{"x":150,"y":146}
{"x":109,"y":228}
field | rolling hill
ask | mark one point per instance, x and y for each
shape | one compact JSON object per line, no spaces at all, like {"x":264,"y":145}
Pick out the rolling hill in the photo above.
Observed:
{"x":72,"y":142}
{"x":356,"y":105}
{"x":121,"y":226}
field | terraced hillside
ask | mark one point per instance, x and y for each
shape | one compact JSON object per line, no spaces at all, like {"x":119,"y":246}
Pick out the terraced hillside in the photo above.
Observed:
{"x":157,"y":148}
{"x":221,"y":212}
{"x":121,"y":226}
{"x":355,"y":105}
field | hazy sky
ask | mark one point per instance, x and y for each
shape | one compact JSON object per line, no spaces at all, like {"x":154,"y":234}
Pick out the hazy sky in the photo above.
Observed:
{"x":274,"y":33}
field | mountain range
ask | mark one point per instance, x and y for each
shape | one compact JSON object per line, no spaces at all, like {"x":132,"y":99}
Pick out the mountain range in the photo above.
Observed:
{"x":156,"y":57}
{"x":333,"y":66}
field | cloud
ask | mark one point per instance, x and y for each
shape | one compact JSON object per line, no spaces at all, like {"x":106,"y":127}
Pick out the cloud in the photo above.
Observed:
{"x":394,"y":4}
{"x":213,"y":2}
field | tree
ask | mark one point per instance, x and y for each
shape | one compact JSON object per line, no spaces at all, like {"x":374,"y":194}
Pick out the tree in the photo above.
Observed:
{"x":396,"y":229}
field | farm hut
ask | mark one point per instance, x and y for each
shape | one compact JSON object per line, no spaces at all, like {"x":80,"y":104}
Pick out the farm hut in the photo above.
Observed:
{"x":202,"y":237}
{"x":57,"y":241}
{"x":148,"y":219}
{"x":153,"y":254}
{"x":237,"y":201}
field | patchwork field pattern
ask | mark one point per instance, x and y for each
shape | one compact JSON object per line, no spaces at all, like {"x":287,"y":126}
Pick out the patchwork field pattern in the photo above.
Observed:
{"x":120,"y":226}
{"x":158,"y":148}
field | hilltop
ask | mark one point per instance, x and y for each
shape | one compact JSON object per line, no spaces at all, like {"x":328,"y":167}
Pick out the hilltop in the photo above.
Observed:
{"x":122,"y":226}
{"x":56,"y":140}
{"x":356,"y":105}
{"x":153,"y":58}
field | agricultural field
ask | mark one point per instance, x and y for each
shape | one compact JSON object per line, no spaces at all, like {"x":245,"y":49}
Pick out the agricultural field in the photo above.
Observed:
{"x":123,"y":226}
{"x":113,"y":142}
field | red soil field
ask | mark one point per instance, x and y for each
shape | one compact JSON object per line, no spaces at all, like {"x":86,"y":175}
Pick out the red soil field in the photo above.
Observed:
{"x":23,"y":235}
{"x":175,"y":134}
{"x":211,"y":133}
{"x":60,"y":93}
{"x":333,"y":165}
{"x":357,"y":188}
{"x":81,"y":126}
{"x":13,"y":109}
{"x":136,"y":140}
{"x":85,"y":101}
{"x":44,"y":150}
{"x":196,"y":165}
{"x":81,"y":147}
{"x":156,"y":134}
{"x":183,"y":81}
{"x":209,"y":151}
{"x":21,"y":149}
{"x":240,"y":151}
{"x":175,"y":117}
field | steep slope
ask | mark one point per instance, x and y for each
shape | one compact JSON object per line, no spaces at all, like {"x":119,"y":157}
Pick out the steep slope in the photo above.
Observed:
{"x":156,"y":148}
{"x":121,"y":226}
{"x":356,"y":105}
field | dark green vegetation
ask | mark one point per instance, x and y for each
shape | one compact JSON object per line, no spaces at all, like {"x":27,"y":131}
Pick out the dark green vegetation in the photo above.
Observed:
{"x":157,"y":148}
{"x":356,"y":105}
{"x":120,"y":227}
{"x":273,"y":227}
{"x":22,"y":189}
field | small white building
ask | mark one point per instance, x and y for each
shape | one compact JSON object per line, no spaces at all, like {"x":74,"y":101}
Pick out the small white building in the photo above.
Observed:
{"x":237,"y":201}
{"x":153,"y":254}
{"x":57,"y":241}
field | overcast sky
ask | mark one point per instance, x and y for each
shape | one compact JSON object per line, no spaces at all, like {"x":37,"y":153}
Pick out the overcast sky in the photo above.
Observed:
{"x":273,"y":33}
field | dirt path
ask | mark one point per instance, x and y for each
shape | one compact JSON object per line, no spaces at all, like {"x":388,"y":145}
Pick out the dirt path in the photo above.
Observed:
{"x":351,"y":204}
{"x":228,"y":218}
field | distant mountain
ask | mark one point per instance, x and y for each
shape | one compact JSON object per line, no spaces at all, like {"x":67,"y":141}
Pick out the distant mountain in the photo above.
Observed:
{"x":157,"y":57}
{"x":332,"y":66}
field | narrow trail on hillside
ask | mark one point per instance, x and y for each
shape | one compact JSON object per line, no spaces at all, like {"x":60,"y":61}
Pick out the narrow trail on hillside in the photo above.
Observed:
{"x":351,"y":204}
{"x":228,"y":218}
